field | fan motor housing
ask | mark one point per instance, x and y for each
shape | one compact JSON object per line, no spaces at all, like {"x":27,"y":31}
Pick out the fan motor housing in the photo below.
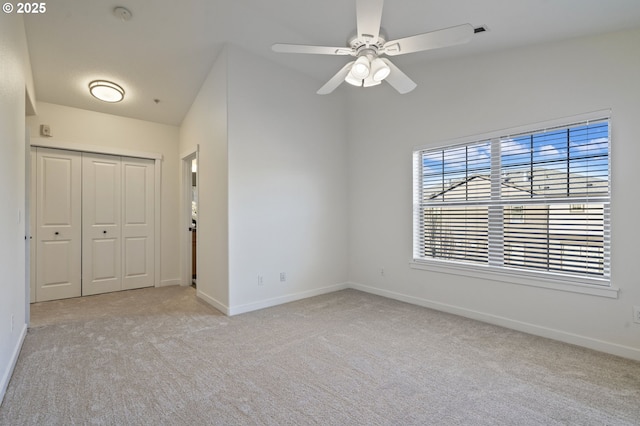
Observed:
{"x":363,"y":47}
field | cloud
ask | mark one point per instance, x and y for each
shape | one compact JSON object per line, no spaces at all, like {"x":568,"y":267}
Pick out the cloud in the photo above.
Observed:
{"x":511,"y":147}
{"x":460,"y":158}
{"x":598,"y":144}
{"x":550,"y":151}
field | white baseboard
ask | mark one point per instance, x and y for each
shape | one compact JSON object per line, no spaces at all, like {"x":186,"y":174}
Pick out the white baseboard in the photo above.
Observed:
{"x":550,"y":333}
{"x":267,"y":303}
{"x":167,"y":283}
{"x":213,"y":302}
{"x":6,"y":377}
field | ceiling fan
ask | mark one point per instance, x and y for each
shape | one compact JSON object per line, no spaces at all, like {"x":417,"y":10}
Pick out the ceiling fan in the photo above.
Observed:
{"x":369,"y":44}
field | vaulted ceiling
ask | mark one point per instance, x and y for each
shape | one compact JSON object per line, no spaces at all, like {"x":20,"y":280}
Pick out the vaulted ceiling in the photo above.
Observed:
{"x":167,"y":48}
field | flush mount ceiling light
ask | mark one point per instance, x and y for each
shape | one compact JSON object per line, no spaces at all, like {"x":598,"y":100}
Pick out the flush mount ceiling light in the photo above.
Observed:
{"x":106,"y":91}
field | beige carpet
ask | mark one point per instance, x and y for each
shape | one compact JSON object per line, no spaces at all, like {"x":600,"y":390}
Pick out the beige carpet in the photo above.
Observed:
{"x":159,"y":356}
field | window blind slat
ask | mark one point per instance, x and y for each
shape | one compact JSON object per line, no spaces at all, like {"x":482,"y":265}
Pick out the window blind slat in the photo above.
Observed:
{"x":537,"y":200}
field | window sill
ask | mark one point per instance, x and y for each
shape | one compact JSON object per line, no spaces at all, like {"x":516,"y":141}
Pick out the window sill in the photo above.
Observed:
{"x":592,"y":286}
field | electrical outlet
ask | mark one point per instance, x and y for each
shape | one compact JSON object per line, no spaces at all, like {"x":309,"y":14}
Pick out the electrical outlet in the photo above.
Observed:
{"x":283,"y":277}
{"x":12,"y":323}
{"x":636,"y":314}
{"x":260,"y":280}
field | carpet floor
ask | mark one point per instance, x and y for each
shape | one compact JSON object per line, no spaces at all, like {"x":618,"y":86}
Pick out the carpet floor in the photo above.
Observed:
{"x":160,"y":356}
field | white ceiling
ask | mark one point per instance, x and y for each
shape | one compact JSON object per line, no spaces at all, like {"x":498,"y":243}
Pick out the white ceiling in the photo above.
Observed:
{"x":166,"y":50}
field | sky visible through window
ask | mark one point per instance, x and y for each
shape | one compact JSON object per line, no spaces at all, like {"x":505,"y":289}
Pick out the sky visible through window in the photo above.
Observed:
{"x":580,"y":152}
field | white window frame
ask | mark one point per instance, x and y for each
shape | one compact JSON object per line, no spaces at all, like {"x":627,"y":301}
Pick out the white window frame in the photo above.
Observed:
{"x":598,"y":286}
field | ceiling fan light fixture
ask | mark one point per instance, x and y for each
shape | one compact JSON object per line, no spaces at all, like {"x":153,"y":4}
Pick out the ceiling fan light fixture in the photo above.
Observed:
{"x":369,"y":42}
{"x":361,"y":68}
{"x":379,"y":70}
{"x":371,"y":81}
{"x":353,"y":80}
{"x":106,"y":91}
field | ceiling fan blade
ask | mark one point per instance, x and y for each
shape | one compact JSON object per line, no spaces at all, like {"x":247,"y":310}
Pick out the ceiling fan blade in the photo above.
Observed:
{"x":432,"y":40}
{"x":369,"y":17}
{"x":399,"y":80}
{"x":314,"y":50}
{"x":336,"y":80}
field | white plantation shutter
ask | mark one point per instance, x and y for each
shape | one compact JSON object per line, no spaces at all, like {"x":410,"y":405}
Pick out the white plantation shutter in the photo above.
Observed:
{"x":532,"y":201}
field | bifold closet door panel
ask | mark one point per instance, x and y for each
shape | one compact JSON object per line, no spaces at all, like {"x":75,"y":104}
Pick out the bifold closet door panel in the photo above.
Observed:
{"x":101,"y":224}
{"x":58,"y":224}
{"x":138,"y":223}
{"x":94,"y":223}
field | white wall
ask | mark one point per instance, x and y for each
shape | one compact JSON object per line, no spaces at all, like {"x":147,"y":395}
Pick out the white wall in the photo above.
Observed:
{"x":205,"y":126}
{"x":15,"y":79}
{"x":474,"y":95}
{"x":78,"y":126}
{"x":272,"y":173}
{"x":287,"y":193}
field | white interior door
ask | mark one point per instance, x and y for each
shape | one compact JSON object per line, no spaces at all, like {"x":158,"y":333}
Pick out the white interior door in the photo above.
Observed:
{"x":32,"y":224}
{"x":138,"y":223}
{"x":94,"y":223}
{"x":58,"y":224}
{"x":101,"y":220}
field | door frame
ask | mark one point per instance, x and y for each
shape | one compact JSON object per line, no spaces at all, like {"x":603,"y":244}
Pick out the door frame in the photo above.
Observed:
{"x":185,"y":213}
{"x":157,"y":157}
{"x":29,"y":225}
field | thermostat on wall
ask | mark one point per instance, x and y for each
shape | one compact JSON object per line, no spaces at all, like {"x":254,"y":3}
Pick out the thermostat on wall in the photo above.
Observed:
{"x":45,"y":130}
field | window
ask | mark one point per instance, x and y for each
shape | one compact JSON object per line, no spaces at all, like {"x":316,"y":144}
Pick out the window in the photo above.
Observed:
{"x":530,"y":201}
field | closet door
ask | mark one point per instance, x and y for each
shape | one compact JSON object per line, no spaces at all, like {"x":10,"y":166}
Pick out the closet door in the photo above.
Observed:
{"x":137,"y":223}
{"x":58,"y":224}
{"x":101,"y":224}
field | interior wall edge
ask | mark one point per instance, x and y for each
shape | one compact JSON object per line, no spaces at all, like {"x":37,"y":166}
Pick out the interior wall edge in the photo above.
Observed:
{"x":212,"y":301}
{"x":6,"y":378}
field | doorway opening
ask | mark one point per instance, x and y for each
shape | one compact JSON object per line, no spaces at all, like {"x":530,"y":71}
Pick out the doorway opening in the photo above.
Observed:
{"x":190,"y":215}
{"x":194,"y":220}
